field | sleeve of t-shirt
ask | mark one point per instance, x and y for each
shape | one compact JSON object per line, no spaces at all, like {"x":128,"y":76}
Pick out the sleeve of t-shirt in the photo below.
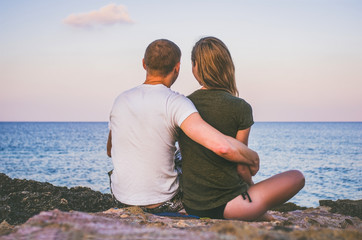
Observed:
{"x":246,"y":116}
{"x":110,"y":115}
{"x":180,"y":107}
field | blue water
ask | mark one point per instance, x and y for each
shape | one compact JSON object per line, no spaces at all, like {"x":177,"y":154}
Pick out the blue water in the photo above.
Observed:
{"x":74,"y":154}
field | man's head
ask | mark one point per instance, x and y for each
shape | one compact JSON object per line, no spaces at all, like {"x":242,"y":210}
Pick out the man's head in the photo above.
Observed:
{"x":161,"y":57}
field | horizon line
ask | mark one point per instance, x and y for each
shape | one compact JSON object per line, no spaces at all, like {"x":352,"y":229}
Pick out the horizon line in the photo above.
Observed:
{"x":265,"y":121}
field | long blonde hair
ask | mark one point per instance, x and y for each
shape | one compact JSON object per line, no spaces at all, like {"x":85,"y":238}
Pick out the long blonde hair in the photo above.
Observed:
{"x":214,"y":65}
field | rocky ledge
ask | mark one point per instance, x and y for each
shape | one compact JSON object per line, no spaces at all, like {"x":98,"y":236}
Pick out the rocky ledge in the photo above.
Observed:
{"x":34,"y":210}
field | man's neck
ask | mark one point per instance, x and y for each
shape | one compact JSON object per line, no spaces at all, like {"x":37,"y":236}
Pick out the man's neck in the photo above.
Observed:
{"x":154,"y":80}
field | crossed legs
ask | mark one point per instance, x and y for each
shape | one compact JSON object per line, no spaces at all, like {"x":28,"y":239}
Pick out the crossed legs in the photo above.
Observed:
{"x":265,"y":195}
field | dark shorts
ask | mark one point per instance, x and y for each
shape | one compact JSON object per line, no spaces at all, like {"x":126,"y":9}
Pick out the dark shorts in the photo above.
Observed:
{"x":215,"y":213}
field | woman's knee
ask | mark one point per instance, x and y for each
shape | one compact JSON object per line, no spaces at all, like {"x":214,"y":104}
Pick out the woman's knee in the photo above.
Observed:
{"x":298,"y":178}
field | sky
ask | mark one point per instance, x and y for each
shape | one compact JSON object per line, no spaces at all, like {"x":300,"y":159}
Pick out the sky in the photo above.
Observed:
{"x":67,"y":60}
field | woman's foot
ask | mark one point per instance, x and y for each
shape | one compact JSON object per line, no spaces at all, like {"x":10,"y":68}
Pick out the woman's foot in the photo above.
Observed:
{"x":266,"y":217}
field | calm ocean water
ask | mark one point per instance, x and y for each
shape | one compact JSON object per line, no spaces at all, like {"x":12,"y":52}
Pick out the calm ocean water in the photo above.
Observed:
{"x":73,"y":154}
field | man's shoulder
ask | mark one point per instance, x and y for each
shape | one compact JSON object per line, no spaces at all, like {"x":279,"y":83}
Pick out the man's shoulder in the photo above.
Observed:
{"x":131,"y":92}
{"x":127,"y":91}
{"x":153,"y":93}
{"x":159,"y":89}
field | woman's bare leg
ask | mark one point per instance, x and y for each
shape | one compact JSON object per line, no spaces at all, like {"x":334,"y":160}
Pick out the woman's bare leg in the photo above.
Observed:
{"x":265,"y":195}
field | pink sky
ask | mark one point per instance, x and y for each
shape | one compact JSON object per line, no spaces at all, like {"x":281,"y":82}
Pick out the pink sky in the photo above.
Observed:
{"x":295,"y":60}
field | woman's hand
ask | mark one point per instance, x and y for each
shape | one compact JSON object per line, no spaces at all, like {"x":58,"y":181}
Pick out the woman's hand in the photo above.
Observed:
{"x":245,"y":174}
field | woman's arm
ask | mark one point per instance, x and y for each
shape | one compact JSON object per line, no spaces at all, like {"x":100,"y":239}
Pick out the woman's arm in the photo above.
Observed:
{"x":244,"y":170}
{"x":243,"y":136}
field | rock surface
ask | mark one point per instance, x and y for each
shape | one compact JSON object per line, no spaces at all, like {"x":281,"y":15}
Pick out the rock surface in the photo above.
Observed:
{"x":86,"y":214}
{"x":347,"y":207}
{"x":22,"y":199}
{"x":133,"y":223}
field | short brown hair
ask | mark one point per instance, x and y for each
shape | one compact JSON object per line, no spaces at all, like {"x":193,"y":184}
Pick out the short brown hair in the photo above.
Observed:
{"x":161,"y":56}
{"x":215,"y":66}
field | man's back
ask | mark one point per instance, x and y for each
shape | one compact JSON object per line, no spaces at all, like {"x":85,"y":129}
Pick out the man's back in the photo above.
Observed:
{"x":143,"y":123}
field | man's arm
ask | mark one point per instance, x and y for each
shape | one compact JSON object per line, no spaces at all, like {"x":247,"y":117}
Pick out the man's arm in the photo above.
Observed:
{"x":109,"y":144}
{"x":225,"y":146}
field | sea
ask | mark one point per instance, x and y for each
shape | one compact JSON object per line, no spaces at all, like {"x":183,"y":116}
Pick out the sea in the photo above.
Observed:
{"x":70,"y":154}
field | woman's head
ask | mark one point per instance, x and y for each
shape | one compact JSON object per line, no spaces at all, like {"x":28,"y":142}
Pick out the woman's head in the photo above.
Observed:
{"x":214,"y":65}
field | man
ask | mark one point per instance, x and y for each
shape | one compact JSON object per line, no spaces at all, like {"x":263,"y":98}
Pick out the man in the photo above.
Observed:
{"x":143,"y":130}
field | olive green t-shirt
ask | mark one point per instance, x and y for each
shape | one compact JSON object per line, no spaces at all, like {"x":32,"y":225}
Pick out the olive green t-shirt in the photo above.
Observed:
{"x":209,"y":181}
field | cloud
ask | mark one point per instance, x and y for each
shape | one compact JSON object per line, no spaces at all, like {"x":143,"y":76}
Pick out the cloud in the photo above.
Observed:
{"x":107,"y":15}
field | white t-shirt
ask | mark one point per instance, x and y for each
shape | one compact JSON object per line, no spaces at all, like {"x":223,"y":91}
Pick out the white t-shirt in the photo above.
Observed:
{"x":143,"y":122}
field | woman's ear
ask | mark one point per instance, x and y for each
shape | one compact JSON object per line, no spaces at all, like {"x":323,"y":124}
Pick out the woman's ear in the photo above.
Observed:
{"x":195,"y":72}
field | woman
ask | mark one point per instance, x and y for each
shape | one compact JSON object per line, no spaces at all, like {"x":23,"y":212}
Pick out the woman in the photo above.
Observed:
{"x":212,"y":186}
